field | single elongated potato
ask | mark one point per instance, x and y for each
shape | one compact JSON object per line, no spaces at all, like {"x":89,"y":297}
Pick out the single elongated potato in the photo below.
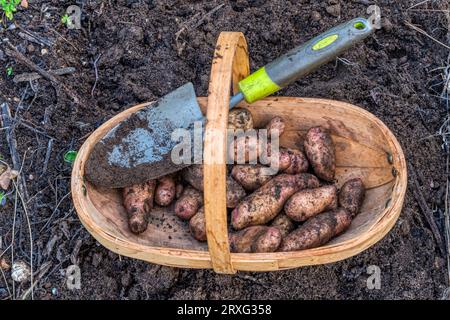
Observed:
{"x":317,"y":231}
{"x":240,"y":118}
{"x":283,"y":223}
{"x":255,"y":239}
{"x":165,"y":191}
{"x":251,"y":177}
{"x":351,"y":195}
{"x":298,"y":162}
{"x":308,"y":203}
{"x":265,"y":203}
{"x":138,"y":202}
{"x":194,"y":176}
{"x":189,"y":203}
{"x":320,"y":151}
{"x":197,"y":225}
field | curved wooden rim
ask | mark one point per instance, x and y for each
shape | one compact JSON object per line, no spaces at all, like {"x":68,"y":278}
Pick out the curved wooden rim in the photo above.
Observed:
{"x":230,"y":64}
{"x":250,"y":262}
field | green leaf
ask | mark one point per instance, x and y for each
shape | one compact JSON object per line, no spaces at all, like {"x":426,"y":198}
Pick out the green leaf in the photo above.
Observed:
{"x":65,"y":19}
{"x":9,"y":71}
{"x":70,"y":156}
{"x":2,"y":199}
{"x":9,"y":7}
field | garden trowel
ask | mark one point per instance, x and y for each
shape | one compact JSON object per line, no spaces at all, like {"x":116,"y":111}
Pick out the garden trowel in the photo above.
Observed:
{"x":139,"y":148}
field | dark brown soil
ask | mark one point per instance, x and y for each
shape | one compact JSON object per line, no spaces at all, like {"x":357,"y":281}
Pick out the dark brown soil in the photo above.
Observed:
{"x":394,"y":75}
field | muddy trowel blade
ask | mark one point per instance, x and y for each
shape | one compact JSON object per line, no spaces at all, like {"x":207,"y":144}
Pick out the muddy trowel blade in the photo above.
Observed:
{"x":139,"y":148}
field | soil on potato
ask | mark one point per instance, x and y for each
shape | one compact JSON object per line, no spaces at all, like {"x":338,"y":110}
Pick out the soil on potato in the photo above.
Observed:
{"x":143,"y":50}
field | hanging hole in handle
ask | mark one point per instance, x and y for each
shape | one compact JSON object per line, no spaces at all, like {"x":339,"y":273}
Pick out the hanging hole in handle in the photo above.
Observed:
{"x":359,"y":25}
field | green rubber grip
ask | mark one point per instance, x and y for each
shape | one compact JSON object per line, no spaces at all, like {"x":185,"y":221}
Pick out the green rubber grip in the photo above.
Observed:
{"x":304,"y":59}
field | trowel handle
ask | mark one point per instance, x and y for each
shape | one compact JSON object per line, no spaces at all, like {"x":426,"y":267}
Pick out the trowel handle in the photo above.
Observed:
{"x":304,"y":59}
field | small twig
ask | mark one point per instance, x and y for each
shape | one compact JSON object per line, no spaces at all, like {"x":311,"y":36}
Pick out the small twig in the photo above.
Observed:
{"x":42,"y":272}
{"x":31,"y":76}
{"x":429,"y":10}
{"x":417,"y":4}
{"x":30,"y":127}
{"x":54,"y":211}
{"x":96,"y":74}
{"x":29,"y":38}
{"x":47,"y":156}
{"x":30,"y":234}
{"x":426,"y":210}
{"x":346,"y":61}
{"x":62,"y":37}
{"x":34,"y":37}
{"x":447,"y":222}
{"x":10,"y":135}
{"x":12,"y":143}
{"x":14,"y":53}
{"x":193,"y":23}
{"x":4,"y":251}
{"x":426,"y":34}
{"x":12,"y":241}
{"x":19,"y":105}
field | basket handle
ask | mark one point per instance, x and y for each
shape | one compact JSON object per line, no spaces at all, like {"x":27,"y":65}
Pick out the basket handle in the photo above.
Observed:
{"x":230,"y":65}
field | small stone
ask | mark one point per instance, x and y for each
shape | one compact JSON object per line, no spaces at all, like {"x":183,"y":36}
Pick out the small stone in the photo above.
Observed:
{"x":44,"y":51}
{"x":439,"y":263}
{"x":54,"y":291}
{"x":315,"y":16}
{"x":434,"y":185}
{"x":403,"y":60}
{"x":97,"y":259}
{"x":4,"y":264}
{"x":334,"y":10}
{"x":387,"y":25}
{"x":30,"y":48}
{"x":20,"y":271}
{"x":126,"y":280}
{"x":404,"y":227}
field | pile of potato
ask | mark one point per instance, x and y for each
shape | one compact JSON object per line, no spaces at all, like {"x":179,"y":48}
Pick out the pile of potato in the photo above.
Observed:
{"x":298,"y":208}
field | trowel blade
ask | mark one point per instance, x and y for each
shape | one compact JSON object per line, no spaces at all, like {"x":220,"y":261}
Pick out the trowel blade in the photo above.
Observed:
{"x":139,"y":148}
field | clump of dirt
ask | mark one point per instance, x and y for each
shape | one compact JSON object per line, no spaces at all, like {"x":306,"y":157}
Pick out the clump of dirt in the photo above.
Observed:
{"x":141,"y":50}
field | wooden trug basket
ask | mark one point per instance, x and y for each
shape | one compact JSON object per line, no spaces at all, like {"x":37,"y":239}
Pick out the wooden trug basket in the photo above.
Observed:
{"x":365,"y":148}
